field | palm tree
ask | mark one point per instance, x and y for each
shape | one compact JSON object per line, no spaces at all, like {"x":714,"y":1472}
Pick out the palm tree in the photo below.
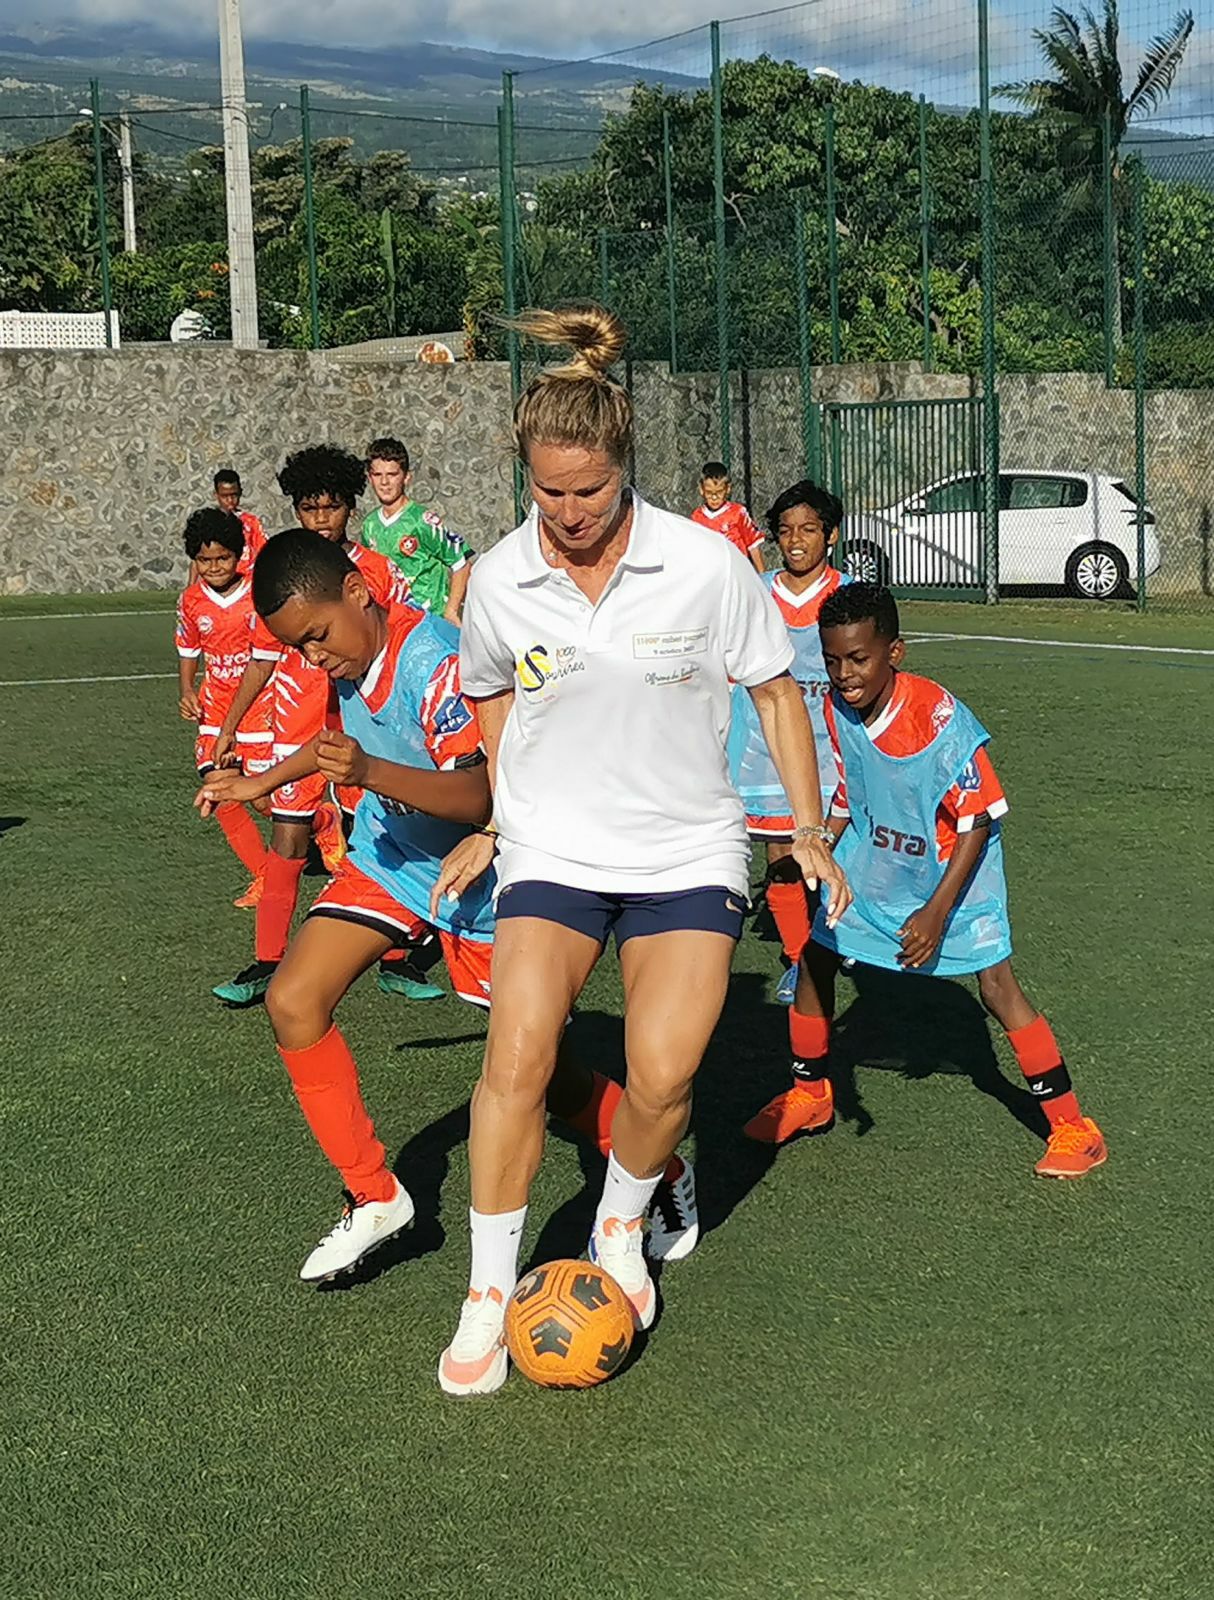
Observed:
{"x":1087,"y":83}
{"x":1087,"y":89}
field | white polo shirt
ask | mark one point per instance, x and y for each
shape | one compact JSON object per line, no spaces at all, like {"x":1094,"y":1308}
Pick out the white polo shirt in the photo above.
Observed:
{"x":612,"y":772}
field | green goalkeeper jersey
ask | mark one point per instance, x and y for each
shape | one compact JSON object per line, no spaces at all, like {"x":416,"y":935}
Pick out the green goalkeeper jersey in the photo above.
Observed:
{"x":425,"y":551}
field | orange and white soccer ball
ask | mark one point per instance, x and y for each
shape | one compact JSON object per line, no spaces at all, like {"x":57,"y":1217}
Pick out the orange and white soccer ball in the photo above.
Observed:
{"x":568,"y":1325}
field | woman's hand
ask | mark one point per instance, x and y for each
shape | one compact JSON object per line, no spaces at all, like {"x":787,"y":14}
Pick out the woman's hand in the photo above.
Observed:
{"x":818,"y":866}
{"x":470,"y":860}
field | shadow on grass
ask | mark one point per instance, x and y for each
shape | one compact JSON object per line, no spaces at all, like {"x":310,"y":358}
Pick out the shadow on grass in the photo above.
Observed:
{"x":9,"y":824}
{"x":919,"y":1026}
{"x":421,"y":1164}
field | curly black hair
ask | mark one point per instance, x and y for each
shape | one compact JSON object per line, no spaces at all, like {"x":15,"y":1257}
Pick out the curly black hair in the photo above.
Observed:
{"x":323,"y":469}
{"x":213,"y":526}
{"x":862,"y":602}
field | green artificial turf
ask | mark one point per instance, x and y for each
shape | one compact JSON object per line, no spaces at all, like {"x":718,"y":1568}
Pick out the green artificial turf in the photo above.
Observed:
{"x":897,"y":1368}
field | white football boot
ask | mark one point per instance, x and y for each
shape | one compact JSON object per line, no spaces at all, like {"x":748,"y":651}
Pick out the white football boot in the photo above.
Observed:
{"x":362,"y":1227}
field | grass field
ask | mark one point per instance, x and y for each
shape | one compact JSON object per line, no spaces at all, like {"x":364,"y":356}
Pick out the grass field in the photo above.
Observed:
{"x":898,"y":1367}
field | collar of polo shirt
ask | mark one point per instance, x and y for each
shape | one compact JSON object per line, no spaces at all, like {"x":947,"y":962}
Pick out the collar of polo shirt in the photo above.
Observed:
{"x":642,"y":554}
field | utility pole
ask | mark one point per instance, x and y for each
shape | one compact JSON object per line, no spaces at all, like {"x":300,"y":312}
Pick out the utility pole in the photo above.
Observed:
{"x":128,"y":183}
{"x":242,"y":267}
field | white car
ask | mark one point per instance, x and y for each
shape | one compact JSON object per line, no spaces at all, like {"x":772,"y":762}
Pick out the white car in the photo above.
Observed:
{"x":1076,"y":529}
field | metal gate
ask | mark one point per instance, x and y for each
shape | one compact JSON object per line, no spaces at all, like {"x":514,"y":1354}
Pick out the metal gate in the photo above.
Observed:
{"x":912,"y":478}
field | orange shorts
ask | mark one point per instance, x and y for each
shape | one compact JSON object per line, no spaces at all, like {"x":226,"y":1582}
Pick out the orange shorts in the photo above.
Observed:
{"x":348,"y":797}
{"x":780,"y":829}
{"x":299,"y":802}
{"x":351,"y":896}
{"x":254,"y":750}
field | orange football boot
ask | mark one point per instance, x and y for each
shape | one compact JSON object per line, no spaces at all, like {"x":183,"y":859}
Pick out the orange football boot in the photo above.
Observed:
{"x":1073,"y":1149}
{"x":798,"y":1110}
{"x":252,"y":895}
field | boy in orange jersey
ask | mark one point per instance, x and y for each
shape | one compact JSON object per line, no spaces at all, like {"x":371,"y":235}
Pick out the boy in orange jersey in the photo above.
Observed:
{"x":917,"y":817}
{"x":323,"y":483}
{"x":228,"y":491}
{"x":215,"y":627}
{"x":804,"y":521}
{"x":729,"y":517}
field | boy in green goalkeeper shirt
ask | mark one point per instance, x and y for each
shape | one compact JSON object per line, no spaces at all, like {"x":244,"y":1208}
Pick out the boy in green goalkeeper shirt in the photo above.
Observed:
{"x":436,"y":561}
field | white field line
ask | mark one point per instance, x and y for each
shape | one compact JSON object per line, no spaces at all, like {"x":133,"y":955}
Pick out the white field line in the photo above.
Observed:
{"x":1059,"y":644}
{"x":75,"y":616}
{"x":123,"y":677}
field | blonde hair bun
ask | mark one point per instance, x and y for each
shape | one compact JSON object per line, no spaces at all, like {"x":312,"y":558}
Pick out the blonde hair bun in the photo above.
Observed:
{"x":595,"y":335}
{"x":579,"y":403}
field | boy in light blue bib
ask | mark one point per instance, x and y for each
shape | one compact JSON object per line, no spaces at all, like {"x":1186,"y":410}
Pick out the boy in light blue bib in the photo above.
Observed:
{"x":917,"y":818}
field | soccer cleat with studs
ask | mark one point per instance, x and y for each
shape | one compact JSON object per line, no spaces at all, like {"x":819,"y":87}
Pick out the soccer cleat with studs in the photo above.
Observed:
{"x":476,"y":1361}
{"x":798,"y":1110}
{"x":1072,"y":1150}
{"x":404,"y":978}
{"x":674,"y":1216}
{"x":362,"y":1227}
{"x":252,"y":895}
{"x":786,"y":988}
{"x":248,"y":986}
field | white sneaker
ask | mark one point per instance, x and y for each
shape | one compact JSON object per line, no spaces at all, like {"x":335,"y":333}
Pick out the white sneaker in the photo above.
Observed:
{"x":476,"y":1362}
{"x":674,"y":1217}
{"x":619,"y":1248}
{"x":364,"y":1225}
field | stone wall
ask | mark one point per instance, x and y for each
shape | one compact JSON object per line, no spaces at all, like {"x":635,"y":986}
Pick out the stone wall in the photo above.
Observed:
{"x":105,"y":453}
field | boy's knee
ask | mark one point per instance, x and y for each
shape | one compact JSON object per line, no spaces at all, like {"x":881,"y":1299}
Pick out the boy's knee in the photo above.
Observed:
{"x":294,"y":1009}
{"x":996,"y":984}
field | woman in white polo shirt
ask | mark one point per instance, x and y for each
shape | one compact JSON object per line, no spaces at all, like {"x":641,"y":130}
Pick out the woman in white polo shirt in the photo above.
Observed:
{"x":601,"y":639}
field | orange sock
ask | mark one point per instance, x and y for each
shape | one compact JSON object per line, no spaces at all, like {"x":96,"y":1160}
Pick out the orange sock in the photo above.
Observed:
{"x":242,"y":834}
{"x":810,"y":1041}
{"x":325,"y":1081}
{"x":596,"y":1116}
{"x":790,"y":908}
{"x":1045,"y":1071}
{"x":277,"y":905}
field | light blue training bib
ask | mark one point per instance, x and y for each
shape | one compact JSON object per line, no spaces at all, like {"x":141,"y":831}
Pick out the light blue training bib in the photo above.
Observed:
{"x":889,"y":853}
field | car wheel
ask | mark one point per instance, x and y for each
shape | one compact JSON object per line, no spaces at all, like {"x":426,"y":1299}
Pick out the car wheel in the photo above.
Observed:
{"x":1097,"y":572}
{"x":867,"y":562}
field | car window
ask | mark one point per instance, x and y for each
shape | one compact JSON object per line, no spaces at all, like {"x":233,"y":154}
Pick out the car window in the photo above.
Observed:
{"x":1045,"y":493}
{"x":963,"y":494}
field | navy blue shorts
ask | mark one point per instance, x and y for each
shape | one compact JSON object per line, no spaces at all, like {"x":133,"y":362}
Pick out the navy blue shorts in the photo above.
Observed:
{"x":628,"y":916}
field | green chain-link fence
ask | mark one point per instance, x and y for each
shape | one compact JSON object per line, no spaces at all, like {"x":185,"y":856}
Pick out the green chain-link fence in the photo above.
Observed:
{"x":991,"y":215}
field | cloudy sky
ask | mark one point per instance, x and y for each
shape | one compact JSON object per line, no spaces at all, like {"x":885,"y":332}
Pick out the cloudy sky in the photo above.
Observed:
{"x":908,"y":44}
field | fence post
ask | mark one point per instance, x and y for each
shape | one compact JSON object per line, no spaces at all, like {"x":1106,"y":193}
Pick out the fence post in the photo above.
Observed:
{"x":604,"y":268}
{"x":508,"y":202}
{"x":103,"y":236}
{"x":305,"y":129}
{"x":925,"y":236}
{"x":1112,"y":289}
{"x":990,"y":396}
{"x":672,"y":295}
{"x":810,"y":442}
{"x":832,"y":238}
{"x":1140,"y":378}
{"x":718,"y":218}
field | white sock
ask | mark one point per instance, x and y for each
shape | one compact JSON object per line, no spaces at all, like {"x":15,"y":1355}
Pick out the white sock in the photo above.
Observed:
{"x":624,"y":1196}
{"x":496,"y":1236}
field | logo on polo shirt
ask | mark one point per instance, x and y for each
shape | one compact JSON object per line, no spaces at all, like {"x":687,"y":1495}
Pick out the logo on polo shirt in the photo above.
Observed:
{"x":408,"y":545}
{"x":534,"y":668}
